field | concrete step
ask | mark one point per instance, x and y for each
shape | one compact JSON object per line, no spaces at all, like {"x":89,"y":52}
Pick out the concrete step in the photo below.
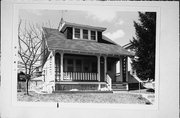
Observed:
{"x":118,"y":87}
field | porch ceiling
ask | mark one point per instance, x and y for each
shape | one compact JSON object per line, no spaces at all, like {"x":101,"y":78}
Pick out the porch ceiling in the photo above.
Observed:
{"x":57,"y":41}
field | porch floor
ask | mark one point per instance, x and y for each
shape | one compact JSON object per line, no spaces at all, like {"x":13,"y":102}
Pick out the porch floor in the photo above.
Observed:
{"x":82,"y":91}
{"x":79,"y":82}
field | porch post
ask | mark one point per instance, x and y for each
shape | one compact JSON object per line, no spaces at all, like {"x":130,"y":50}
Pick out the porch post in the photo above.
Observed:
{"x":98,"y":68}
{"x":127,"y":85}
{"x":105,"y":67}
{"x":98,"y":73}
{"x":126,"y":69}
{"x":53,"y":70}
{"x":62,"y":75}
{"x":121,"y":68}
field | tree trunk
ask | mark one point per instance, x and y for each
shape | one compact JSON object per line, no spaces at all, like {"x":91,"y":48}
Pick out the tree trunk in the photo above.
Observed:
{"x":27,"y":91}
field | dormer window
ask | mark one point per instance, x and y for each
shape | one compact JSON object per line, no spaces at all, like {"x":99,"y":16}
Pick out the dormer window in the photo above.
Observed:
{"x":85,"y":34}
{"x":77,"y":33}
{"x":93,"y":35}
{"x":80,"y":31}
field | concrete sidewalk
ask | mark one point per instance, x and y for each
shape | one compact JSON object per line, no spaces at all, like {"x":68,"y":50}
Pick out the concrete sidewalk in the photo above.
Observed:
{"x":150,"y":96}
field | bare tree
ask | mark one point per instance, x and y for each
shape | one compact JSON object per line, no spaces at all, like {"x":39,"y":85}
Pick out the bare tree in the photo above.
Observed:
{"x":30,"y":49}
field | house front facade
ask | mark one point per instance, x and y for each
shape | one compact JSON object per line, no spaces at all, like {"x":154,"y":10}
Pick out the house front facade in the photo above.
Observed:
{"x":80,"y":58}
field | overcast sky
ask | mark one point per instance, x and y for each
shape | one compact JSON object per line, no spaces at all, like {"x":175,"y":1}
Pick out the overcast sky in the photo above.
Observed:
{"x":119,"y":24}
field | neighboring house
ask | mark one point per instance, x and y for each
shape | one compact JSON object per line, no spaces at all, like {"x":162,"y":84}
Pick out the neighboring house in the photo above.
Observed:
{"x":80,"y":57}
{"x":37,"y":72}
{"x":133,"y":80}
{"x":21,"y":81}
{"x":129,"y":48}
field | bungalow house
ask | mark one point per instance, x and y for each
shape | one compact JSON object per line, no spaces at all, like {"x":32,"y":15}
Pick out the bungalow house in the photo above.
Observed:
{"x":80,"y":57}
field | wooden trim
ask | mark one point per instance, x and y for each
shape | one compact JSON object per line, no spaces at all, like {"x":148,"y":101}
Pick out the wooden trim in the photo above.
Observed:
{"x":62,"y":76}
{"x":126,"y":69}
{"x":68,"y":51}
{"x":96,"y":36}
{"x":98,"y":68}
{"x":81,"y":33}
{"x":89,"y":34}
{"x":121,"y":69}
{"x":105,"y":67}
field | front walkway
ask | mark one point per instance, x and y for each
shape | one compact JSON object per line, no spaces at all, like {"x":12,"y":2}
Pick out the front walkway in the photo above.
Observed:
{"x":150,"y":96}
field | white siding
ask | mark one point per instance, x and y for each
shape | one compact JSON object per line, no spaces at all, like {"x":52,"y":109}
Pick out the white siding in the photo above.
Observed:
{"x":49,"y":68}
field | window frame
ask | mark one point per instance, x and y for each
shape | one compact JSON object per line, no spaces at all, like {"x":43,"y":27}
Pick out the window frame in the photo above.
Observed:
{"x":83,"y":35}
{"x":93,"y":35}
{"x":77,"y":33}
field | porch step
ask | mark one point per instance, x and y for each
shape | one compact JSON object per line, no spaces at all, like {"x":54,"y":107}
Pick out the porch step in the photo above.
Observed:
{"x":119,"y":87}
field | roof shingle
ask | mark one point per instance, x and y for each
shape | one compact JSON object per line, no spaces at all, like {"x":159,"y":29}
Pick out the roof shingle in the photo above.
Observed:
{"x":57,"y":41}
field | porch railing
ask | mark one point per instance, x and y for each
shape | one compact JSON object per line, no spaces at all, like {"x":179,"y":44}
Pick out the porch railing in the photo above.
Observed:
{"x":79,"y":76}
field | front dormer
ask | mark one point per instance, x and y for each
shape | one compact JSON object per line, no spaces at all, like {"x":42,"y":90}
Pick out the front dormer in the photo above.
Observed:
{"x":81,"y":32}
{"x":84,"y":34}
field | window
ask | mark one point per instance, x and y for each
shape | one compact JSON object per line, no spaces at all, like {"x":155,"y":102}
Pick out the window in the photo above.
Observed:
{"x":93,"y":35}
{"x":78,"y":65}
{"x":85,"y":34}
{"x":70,"y":65}
{"x":94,"y":67}
{"x":86,"y":66}
{"x":77,"y":33}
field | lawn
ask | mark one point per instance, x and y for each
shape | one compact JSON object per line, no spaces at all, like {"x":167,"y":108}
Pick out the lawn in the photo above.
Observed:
{"x":125,"y":98}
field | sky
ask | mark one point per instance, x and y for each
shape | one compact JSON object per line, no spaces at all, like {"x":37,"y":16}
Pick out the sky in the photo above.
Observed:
{"x":119,"y":24}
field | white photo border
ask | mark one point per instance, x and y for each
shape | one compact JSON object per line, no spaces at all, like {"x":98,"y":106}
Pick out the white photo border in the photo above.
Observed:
{"x":84,"y":6}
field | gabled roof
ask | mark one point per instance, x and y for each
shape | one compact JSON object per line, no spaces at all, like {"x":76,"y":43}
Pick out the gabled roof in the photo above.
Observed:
{"x":127,"y":46}
{"x":57,"y":41}
{"x":68,"y":24}
{"x":108,"y":40}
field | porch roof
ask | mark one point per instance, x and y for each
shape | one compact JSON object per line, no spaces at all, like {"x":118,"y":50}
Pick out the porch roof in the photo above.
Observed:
{"x":58,"y":41}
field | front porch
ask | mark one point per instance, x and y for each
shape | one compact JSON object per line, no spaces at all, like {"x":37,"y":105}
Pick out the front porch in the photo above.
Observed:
{"x":88,"y":72}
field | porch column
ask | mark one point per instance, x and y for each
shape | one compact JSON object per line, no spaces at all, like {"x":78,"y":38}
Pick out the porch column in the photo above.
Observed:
{"x":62,"y":75}
{"x":126,"y":68}
{"x":121,"y":68}
{"x":54,"y":69}
{"x":98,"y":68}
{"x":105,"y":67}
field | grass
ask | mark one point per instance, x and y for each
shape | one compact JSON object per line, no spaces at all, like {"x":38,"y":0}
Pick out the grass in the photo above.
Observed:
{"x":124,"y":98}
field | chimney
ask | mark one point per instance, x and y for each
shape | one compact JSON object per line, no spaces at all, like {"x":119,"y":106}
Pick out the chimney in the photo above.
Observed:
{"x":61,"y":23}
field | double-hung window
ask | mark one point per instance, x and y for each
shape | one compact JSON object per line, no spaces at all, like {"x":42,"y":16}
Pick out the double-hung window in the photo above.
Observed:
{"x":77,"y":33}
{"x":93,"y":35}
{"x":70,"y":66}
{"x":78,"y":65}
{"x":85,"y":34}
